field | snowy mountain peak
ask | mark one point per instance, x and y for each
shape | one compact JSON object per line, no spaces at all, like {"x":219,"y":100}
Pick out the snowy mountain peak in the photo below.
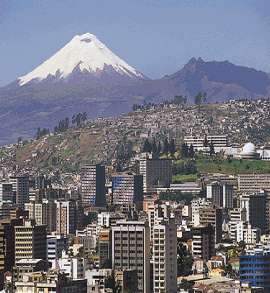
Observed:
{"x":85,"y":53}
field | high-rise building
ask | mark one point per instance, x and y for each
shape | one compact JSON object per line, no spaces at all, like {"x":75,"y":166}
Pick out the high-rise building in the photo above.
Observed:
{"x":236,"y":215}
{"x":250,"y":183}
{"x":255,"y":205}
{"x":165,"y":257}
{"x":213,"y":216}
{"x":131,"y":250}
{"x":127,"y":189}
{"x":203,"y":243}
{"x":156,"y":173}
{"x":7,"y":243}
{"x":30,"y":241}
{"x":65,"y":217}
{"x":20,"y":186}
{"x":43,"y":212}
{"x":6,"y":192}
{"x":221,"y":194}
{"x":93,"y":185}
{"x":105,"y":248}
{"x":254,"y":268}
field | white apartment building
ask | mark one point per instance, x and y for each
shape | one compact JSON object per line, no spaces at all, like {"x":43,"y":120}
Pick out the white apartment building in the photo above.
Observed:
{"x":245,"y":232}
{"x":72,"y":266}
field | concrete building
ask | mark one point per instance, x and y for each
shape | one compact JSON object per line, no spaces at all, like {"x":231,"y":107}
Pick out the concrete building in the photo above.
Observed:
{"x":165,"y":257}
{"x":72,"y":266}
{"x":50,"y":282}
{"x":20,"y":186}
{"x":221,"y":194}
{"x":156,"y":173}
{"x":105,"y":248}
{"x":127,"y":189}
{"x":249,"y":183}
{"x":55,"y":245}
{"x":93,"y":185}
{"x":203,"y":242}
{"x":65,"y":217}
{"x":254,"y":268}
{"x":255,"y":205}
{"x":25,"y":266}
{"x":7,"y":243}
{"x":131,"y":250}
{"x":236,"y":215}
{"x":211,"y":215}
{"x":219,"y":141}
{"x":128,"y":280}
{"x":6,"y":192}
{"x":43,"y":212}
{"x":246,"y":233}
{"x":30,"y":241}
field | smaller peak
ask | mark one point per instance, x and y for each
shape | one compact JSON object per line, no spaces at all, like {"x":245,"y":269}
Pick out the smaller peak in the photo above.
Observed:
{"x":85,"y":37}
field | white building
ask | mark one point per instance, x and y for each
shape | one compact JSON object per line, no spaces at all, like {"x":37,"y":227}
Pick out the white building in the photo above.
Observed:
{"x":72,"y":266}
{"x":55,"y":245}
{"x":245,"y":232}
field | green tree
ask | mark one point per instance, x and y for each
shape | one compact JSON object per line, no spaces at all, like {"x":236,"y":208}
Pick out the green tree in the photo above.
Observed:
{"x":211,"y":149}
{"x":184,"y":260}
{"x":191,"y":152}
{"x":147,"y":148}
{"x":186,"y":285}
{"x":165,"y":146}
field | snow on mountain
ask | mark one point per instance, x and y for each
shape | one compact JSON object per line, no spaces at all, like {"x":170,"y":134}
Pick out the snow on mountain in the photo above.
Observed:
{"x":84,"y":52}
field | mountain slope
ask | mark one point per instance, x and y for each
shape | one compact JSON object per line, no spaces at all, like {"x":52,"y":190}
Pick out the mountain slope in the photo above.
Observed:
{"x":86,"y":76}
{"x":85,"y":54}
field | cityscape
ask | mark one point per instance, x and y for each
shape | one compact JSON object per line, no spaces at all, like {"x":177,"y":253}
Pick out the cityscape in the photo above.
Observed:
{"x":112,"y":181}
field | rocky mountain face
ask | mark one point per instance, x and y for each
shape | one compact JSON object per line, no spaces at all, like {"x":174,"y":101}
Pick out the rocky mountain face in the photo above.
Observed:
{"x":86,"y":76}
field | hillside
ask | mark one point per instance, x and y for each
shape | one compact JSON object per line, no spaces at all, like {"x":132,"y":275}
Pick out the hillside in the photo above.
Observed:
{"x":86,"y":76}
{"x":104,"y":140}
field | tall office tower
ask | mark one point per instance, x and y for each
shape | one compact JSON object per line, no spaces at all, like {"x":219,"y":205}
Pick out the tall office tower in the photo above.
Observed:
{"x":6,"y":192}
{"x":213,"y":216}
{"x":127,"y":189}
{"x":105,"y":248}
{"x":156,"y":173}
{"x":6,"y":199}
{"x":131,"y":250}
{"x":93,"y":185}
{"x":44,"y":213}
{"x":30,"y":241}
{"x":7,"y":243}
{"x":236,"y":215}
{"x":20,"y":185}
{"x":41,"y":182}
{"x":254,"y":268}
{"x":165,"y":257}
{"x":255,"y":205}
{"x":221,"y":194}
{"x":203,"y":242}
{"x":65,"y":217}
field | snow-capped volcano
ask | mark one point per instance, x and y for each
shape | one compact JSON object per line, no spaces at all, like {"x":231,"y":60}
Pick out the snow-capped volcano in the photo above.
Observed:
{"x":84,"y":53}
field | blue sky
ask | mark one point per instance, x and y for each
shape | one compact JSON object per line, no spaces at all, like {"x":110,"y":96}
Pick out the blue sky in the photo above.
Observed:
{"x":156,"y":36}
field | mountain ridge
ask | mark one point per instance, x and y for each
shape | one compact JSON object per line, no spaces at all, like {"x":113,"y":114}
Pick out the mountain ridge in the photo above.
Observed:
{"x":110,"y":87}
